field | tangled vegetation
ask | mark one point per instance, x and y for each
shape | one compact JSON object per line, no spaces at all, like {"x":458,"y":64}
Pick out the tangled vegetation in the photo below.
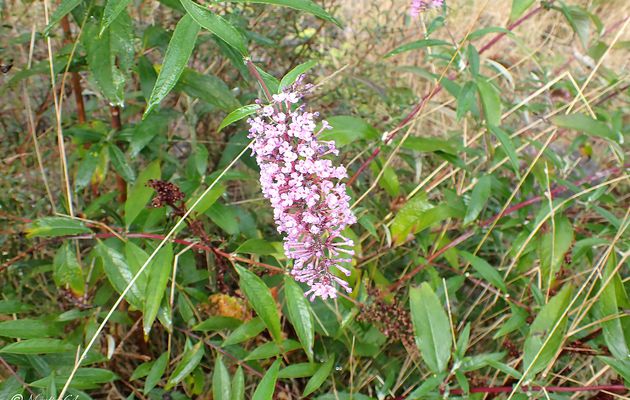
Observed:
{"x":277,"y":199}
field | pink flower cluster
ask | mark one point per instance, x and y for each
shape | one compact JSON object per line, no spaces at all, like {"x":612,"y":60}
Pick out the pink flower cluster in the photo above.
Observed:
{"x":418,"y":6}
{"x":310,"y":203}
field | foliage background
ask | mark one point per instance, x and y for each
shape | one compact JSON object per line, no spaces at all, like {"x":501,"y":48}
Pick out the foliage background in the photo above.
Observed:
{"x":530,"y":125}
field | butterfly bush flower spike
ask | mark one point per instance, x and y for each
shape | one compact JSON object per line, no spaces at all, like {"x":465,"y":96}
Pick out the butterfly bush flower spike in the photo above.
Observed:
{"x":418,"y":6}
{"x":310,"y":204}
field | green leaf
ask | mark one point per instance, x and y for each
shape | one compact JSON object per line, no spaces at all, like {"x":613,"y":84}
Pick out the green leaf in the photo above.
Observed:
{"x":119,"y":274}
{"x":473,"y":60}
{"x":536,"y":353}
{"x":156,"y":372}
{"x":585,"y":124}
{"x":267,"y":385}
{"x":622,"y":367}
{"x":484,"y":31}
{"x":28,"y":329}
{"x":418,"y":44}
{"x":260,"y":247}
{"x":190,"y":360}
{"x":141,"y":371}
{"x":346,"y":129}
{"x":262,"y":302}
{"x":217,"y":323}
{"x":175,"y":60}
{"x":121,"y":164}
{"x":217,"y":25}
{"x":56,"y":226}
{"x":248,"y":330}
{"x":113,"y":8}
{"x":516,"y":321}
{"x":417,"y":214}
{"x":272,"y":349}
{"x":67,"y":271}
{"x":38,"y":346}
{"x":221,"y":389}
{"x":139,"y":194}
{"x":431,"y":327}
{"x":553,"y":246}
{"x":13,"y":307}
{"x":85,"y":378}
{"x":487,"y":272}
{"x":238,"y":115}
{"x":238,"y":385}
{"x":490,"y":101}
{"x":519,"y":7}
{"x":159,"y":272}
{"x":109,"y":56}
{"x":295,"y":73}
{"x":208,"y":88}
{"x":430,"y":145}
{"x":478,"y":198}
{"x":300,"y":315}
{"x":508,"y":147}
{"x":301,"y":370}
{"x":64,"y":8}
{"x":320,"y":376}
{"x":301,"y":5}
{"x":610,"y":308}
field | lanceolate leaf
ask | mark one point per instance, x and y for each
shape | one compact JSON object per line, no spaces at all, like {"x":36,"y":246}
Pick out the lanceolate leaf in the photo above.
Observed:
{"x":238,"y":385}
{"x":156,"y":372}
{"x":190,"y":360}
{"x":553,"y":246}
{"x":519,"y":7}
{"x":612,"y":302}
{"x":487,"y":272}
{"x":159,"y":272}
{"x":319,"y":377}
{"x":431,"y":327}
{"x":418,"y":44}
{"x":64,"y":8}
{"x":300,"y":314}
{"x":508,"y":147}
{"x":546,"y":333}
{"x":67,"y":271}
{"x":28,"y":329}
{"x":121,"y":164}
{"x":346,"y":129}
{"x":119,"y":274}
{"x":217,"y":25}
{"x":113,"y":8}
{"x":292,"y":75}
{"x":490,"y":101}
{"x":262,"y":302}
{"x":139,"y":194}
{"x":267,"y":385}
{"x":478,"y":198}
{"x":238,"y":115}
{"x":175,"y":60}
{"x":221,"y":388}
{"x":301,"y":5}
{"x":109,"y":56}
{"x":38,"y":346}
{"x":56,"y":226}
{"x":585,"y":124}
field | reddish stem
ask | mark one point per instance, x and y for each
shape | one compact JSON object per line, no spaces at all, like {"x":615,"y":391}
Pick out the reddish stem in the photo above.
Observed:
{"x":563,"y":389}
{"x":467,"y":235}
